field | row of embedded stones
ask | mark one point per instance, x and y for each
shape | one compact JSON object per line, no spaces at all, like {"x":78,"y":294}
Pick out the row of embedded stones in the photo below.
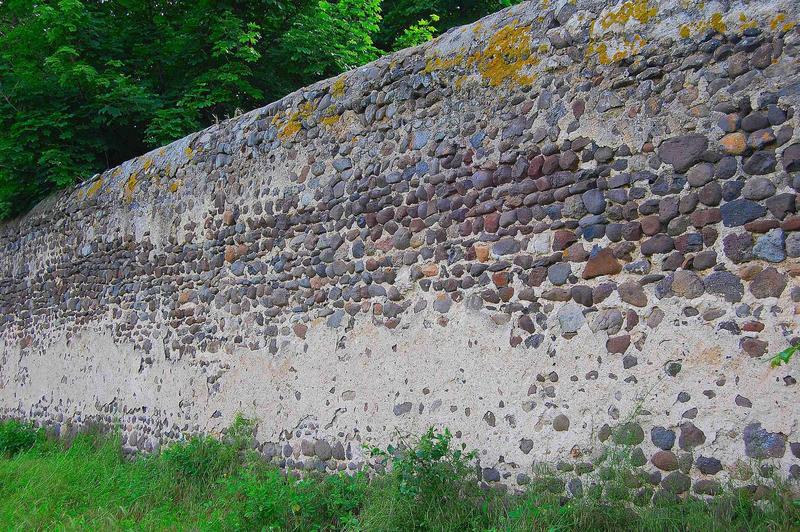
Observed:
{"x":779,"y":206}
{"x":673,"y":463}
{"x":766,"y":283}
{"x":303,"y":449}
{"x":738,"y":251}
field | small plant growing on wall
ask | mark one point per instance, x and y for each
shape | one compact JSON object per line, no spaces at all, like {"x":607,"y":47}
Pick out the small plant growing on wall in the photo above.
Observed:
{"x":784,"y":356}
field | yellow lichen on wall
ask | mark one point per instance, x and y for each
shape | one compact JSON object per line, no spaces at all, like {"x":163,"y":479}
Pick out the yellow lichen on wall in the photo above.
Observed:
{"x":780,"y":22}
{"x":175,"y":185}
{"x":290,"y":128}
{"x":624,"y":48}
{"x":95,"y":188}
{"x":507,"y":57}
{"x":745,"y":23}
{"x":615,"y":49}
{"x":127,"y":190}
{"x":639,"y":10}
{"x":291,"y":123}
{"x":338,"y":87}
{"x":443,"y":63}
{"x":331,"y":120}
{"x":715,"y":23}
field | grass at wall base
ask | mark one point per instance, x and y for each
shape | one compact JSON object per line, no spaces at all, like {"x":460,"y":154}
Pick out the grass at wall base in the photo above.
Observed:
{"x":429,"y":484}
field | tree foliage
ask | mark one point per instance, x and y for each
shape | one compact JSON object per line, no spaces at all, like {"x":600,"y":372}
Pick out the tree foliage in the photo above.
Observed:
{"x":85,"y":85}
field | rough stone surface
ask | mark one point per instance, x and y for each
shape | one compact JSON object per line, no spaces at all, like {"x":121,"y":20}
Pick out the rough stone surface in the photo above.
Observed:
{"x":760,"y":443}
{"x":771,"y":247}
{"x":518,"y":221}
{"x":768,"y":283}
{"x":683,"y":151}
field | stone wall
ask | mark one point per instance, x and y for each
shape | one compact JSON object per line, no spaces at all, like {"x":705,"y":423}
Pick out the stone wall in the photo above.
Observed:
{"x":568,"y":225}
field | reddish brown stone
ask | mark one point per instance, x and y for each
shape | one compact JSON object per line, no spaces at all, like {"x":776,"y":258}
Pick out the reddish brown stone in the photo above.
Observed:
{"x":576,"y":253}
{"x":500,"y":279}
{"x":632,"y":293}
{"x":535,"y":166}
{"x":618,"y":344}
{"x":703,"y":217}
{"x":651,"y":225}
{"x":748,"y":271}
{"x":430,"y":269}
{"x":556,"y":294}
{"x":710,"y":235}
{"x":371,"y":264}
{"x":665,"y":460}
{"x":542,"y":184}
{"x":578,"y":107}
{"x":537,"y":276}
{"x":603,"y":263}
{"x":234,"y":252}
{"x":632,"y":231}
{"x":300,"y":330}
{"x":768,"y":283}
{"x":562,"y":239}
{"x":631,"y":320}
{"x":491,"y":222}
{"x":761,"y":226}
{"x":753,"y":347}
{"x":384,"y":244}
{"x":506,"y":293}
{"x":418,"y":224}
{"x":550,"y":164}
{"x":753,"y":326}
{"x":792,"y":223}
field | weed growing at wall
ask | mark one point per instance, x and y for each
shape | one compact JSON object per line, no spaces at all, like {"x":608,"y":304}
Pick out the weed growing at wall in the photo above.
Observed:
{"x":16,"y":437}
{"x":428,"y":484}
{"x":784,"y":356}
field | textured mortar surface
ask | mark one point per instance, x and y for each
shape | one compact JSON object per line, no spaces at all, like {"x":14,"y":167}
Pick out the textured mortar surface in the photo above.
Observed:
{"x":563,"y":220}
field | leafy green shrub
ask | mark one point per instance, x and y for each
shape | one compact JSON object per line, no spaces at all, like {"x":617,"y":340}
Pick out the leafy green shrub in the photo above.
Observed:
{"x":430,"y":484}
{"x":16,"y":437}
{"x":261,"y":497}
{"x":430,"y":465}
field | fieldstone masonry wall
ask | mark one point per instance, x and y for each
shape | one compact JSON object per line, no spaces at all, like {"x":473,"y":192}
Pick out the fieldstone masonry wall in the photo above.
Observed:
{"x":567,"y":225}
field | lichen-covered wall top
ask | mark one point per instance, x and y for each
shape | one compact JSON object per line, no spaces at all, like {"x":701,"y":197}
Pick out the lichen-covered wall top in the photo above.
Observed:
{"x":584,"y":201}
